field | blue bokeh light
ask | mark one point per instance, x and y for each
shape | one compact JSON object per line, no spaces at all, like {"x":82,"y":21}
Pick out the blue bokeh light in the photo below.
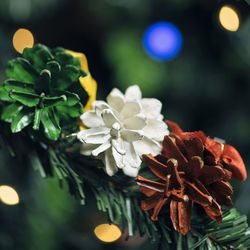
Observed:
{"x":162,"y":41}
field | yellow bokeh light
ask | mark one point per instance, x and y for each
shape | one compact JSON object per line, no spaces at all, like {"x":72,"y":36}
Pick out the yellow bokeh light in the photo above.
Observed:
{"x":22,"y":38}
{"x":8,"y":195}
{"x":107,"y":233}
{"x":229,"y":18}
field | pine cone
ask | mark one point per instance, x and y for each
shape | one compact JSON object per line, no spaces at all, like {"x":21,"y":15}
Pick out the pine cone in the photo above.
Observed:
{"x":189,"y":173}
{"x":43,"y":86}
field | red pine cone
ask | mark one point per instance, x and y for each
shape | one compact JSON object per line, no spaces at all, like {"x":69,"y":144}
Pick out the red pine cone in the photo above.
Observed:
{"x":192,"y":169}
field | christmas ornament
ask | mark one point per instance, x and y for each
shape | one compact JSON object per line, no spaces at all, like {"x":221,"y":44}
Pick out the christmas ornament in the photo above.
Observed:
{"x":42,"y":89}
{"x":122,"y":129}
{"x":191,"y":170}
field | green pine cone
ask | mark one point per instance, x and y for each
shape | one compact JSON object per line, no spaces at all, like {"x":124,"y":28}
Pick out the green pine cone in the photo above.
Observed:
{"x":43,"y":88}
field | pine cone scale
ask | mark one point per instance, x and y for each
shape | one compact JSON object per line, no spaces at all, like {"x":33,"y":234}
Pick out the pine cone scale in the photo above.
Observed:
{"x":170,"y":150}
{"x":197,"y":196}
{"x":156,"y":167}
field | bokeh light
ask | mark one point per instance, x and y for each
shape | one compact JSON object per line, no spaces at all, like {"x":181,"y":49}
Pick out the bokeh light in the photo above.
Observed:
{"x":162,"y":41}
{"x":22,"y":38}
{"x":229,"y":18}
{"x":107,"y":232}
{"x":8,"y":195}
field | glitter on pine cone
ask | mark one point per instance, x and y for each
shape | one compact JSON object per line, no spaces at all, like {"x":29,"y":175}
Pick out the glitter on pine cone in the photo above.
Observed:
{"x":189,"y":173}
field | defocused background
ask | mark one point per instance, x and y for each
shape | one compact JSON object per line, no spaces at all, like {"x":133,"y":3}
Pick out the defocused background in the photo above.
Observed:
{"x":192,"y":55}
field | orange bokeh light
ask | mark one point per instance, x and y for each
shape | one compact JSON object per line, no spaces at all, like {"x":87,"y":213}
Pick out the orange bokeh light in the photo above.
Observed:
{"x":22,"y":38}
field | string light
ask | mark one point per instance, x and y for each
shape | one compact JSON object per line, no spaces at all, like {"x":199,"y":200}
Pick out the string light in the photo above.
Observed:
{"x":107,"y":233}
{"x":162,"y":41}
{"x":229,"y":18}
{"x":8,"y":195}
{"x":22,"y":38}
